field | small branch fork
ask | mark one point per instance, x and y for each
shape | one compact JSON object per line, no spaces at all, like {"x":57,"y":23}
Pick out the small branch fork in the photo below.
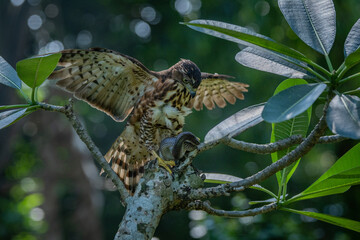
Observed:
{"x":205,"y":206}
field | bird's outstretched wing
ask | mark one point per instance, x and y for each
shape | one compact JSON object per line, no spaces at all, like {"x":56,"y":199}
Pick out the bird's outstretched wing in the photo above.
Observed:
{"x":107,"y":80}
{"x":215,"y":88}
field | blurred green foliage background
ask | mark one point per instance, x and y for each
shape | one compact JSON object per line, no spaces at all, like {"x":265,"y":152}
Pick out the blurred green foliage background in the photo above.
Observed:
{"x":49,"y":185}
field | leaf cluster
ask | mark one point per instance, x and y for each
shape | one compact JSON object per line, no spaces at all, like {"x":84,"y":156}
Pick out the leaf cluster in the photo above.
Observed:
{"x":289,"y":110}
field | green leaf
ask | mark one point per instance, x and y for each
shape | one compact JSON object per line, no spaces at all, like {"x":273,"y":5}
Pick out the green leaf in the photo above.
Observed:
{"x":313,"y":21}
{"x":295,"y":126}
{"x":343,"y":116}
{"x":267,"y":61}
{"x":338,"y":179}
{"x":338,"y":221}
{"x":34,"y":71}
{"x":352,"y":42}
{"x":225,"y":178}
{"x":244,"y":36}
{"x":291,"y":102}
{"x":8,"y":75}
{"x":9,"y":117}
{"x":352,"y":59}
{"x":237,"y":123}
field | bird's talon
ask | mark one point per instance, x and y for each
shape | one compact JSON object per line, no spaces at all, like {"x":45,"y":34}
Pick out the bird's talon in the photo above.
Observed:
{"x":163,"y":163}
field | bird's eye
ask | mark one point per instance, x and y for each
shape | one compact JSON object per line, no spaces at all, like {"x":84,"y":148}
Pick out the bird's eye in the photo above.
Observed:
{"x":185,"y":80}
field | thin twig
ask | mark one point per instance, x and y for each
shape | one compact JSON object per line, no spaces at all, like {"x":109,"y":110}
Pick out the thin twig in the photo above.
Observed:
{"x":205,"y":206}
{"x":94,"y":150}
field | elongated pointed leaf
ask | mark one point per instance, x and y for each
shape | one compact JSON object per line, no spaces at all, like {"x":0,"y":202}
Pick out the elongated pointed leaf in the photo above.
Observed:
{"x":237,"y":123}
{"x":343,"y":116}
{"x":352,"y":46}
{"x":291,"y":102}
{"x":338,"y":179}
{"x":295,"y":126}
{"x":34,"y":71}
{"x":225,"y":178}
{"x":352,"y":42}
{"x":313,"y":21}
{"x":338,"y":221}
{"x":269,"y":62}
{"x":244,"y":36}
{"x":8,"y":117}
{"x":8,"y":75}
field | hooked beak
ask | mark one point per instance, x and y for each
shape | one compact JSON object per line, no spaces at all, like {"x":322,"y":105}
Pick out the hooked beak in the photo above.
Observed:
{"x":191,"y":90}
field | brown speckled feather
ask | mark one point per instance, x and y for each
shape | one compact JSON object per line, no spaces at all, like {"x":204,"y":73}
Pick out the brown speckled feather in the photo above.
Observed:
{"x":107,"y":80}
{"x":215,"y":89}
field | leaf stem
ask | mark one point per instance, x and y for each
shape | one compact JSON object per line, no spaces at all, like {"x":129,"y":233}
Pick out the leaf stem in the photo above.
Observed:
{"x":342,"y":73}
{"x":315,"y":65}
{"x":35,"y":80}
{"x":14,"y":106}
{"x":350,"y":77}
{"x":328,"y":61}
{"x":24,"y":95}
{"x":342,"y":66}
{"x":321,"y":77}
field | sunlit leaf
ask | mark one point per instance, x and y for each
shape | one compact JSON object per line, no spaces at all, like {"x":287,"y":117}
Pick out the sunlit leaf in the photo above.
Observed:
{"x":291,"y":102}
{"x":295,"y":126}
{"x":343,"y":116}
{"x":338,"y":179}
{"x":8,"y":117}
{"x":267,"y":61}
{"x":8,"y":75}
{"x":237,"y":123}
{"x":313,"y":21}
{"x":34,"y":71}
{"x":352,"y":42}
{"x":338,"y":221}
{"x":244,"y":36}
{"x":225,"y":178}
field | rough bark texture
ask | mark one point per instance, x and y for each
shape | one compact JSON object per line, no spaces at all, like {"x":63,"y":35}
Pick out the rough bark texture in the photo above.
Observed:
{"x":155,"y":195}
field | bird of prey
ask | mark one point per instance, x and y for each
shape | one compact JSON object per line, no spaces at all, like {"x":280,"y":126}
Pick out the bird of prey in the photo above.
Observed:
{"x":157,"y":102}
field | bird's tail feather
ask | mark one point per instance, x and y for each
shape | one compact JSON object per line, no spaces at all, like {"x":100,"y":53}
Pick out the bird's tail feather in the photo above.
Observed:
{"x":128,"y":171}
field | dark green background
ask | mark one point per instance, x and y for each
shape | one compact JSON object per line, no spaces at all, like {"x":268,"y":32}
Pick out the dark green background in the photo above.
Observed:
{"x":41,"y":158}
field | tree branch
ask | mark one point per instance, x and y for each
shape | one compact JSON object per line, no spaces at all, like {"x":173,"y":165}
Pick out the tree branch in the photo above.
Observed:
{"x":303,"y":148}
{"x":205,"y":206}
{"x":94,"y":150}
{"x":276,"y":146}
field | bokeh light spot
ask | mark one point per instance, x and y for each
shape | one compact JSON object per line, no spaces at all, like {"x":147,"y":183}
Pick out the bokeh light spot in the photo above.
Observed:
{"x":34,"y":22}
{"x":51,"y":10}
{"x":198,"y":231}
{"x":28,"y":184}
{"x":84,"y":39}
{"x":148,"y":13}
{"x":262,"y":8}
{"x":17,"y":3}
{"x":197,"y":215}
{"x":142,"y":29}
{"x":183,"y":6}
{"x":30,"y":129}
{"x":34,"y":2}
{"x":37,"y":214}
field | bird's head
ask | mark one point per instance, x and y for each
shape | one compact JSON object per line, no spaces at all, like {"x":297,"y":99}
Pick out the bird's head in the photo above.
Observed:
{"x":188,"y":74}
